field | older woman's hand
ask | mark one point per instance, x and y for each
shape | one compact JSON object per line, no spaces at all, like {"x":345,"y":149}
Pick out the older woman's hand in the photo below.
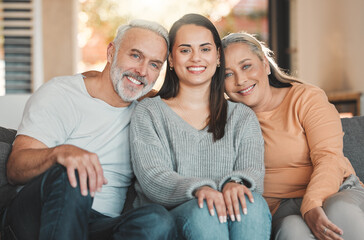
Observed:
{"x":233,"y":193}
{"x":321,"y":226}
{"x":213,"y":198}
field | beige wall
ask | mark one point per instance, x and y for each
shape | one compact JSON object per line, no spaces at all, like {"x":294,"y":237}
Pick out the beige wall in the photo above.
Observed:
{"x":329,"y":38}
{"x":60,"y":50}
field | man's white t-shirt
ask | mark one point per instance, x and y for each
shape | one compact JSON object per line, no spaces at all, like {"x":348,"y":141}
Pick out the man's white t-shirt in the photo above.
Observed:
{"x":63,"y":112}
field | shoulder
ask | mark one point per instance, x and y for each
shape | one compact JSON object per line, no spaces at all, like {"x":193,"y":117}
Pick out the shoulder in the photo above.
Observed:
{"x":242,"y":118}
{"x":59,"y":85}
{"x":307,"y":91}
{"x":149,"y":107}
{"x":54,"y":95}
{"x":149,"y":103}
{"x":239,"y":110}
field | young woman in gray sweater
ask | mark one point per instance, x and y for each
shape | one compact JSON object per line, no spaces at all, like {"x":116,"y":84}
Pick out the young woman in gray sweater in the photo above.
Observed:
{"x":195,"y":153}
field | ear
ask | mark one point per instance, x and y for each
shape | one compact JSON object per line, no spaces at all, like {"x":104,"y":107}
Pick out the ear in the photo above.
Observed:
{"x":170,"y":60}
{"x":110,"y":52}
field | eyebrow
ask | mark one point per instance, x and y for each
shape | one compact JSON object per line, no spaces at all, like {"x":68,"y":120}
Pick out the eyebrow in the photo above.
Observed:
{"x":189,"y":45}
{"x":240,"y":62}
{"x":244,"y":60}
{"x":141,"y":53}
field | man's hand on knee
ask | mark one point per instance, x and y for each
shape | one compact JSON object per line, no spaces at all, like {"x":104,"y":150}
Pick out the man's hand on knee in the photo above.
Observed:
{"x":91,"y":175}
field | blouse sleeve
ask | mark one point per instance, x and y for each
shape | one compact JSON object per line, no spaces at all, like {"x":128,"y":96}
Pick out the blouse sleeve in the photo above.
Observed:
{"x":152,"y":164}
{"x":322,"y":125}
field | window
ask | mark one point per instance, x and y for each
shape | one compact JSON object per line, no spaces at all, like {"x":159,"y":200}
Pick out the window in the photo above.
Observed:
{"x":17,"y":37}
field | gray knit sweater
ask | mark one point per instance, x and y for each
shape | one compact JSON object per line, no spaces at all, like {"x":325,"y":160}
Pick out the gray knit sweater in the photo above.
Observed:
{"x":171,"y":159}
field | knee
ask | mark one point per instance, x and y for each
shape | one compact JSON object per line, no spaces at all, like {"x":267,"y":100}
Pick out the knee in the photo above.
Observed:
{"x":340,"y":205}
{"x":56,"y":186}
{"x":161,"y":215}
{"x":259,"y":210}
{"x":290,"y":228}
{"x":193,"y":213}
{"x":155,"y":213}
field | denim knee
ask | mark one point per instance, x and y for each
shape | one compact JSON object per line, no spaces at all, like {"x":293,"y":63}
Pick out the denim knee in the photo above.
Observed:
{"x":166,"y":225}
{"x":256,"y":224}
{"x":196,"y":223}
{"x":55,"y":185}
{"x":258,"y":210}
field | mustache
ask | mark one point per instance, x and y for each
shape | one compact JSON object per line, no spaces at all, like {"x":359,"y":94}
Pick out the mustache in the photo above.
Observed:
{"x":136,"y":76}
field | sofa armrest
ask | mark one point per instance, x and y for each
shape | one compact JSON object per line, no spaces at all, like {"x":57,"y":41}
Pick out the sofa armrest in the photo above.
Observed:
{"x":354,"y":143}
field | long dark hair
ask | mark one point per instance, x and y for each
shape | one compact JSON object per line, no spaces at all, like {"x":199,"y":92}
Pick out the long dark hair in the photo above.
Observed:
{"x":170,"y":87}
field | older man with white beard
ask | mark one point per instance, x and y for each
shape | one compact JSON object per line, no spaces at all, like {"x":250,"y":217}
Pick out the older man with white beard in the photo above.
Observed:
{"x":72,"y":148}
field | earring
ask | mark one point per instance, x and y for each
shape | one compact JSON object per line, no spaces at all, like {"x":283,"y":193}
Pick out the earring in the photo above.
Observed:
{"x":218,"y":65}
{"x":171,"y":68}
{"x":269,"y":73}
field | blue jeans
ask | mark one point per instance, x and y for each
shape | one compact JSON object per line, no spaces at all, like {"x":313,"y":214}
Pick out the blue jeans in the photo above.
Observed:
{"x":196,"y":223}
{"x":49,"y":208}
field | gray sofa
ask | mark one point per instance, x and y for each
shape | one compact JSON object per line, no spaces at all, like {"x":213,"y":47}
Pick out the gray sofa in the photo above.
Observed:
{"x":353,"y":150}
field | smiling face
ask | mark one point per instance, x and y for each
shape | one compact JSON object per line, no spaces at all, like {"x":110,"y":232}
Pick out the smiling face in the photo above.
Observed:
{"x":194,"y":55}
{"x":136,"y":65}
{"x":246,"y":76}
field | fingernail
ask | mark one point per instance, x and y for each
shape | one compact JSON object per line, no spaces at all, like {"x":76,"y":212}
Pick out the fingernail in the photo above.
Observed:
{"x":221,"y":218}
{"x":245,"y":211}
{"x":200,"y":205}
{"x":225,"y":219}
{"x":252,"y":200}
{"x":238,"y":217}
{"x":84,"y":192}
{"x":92,"y":194}
{"x":212,"y":212}
{"x":232,"y":217}
{"x":99,"y":189}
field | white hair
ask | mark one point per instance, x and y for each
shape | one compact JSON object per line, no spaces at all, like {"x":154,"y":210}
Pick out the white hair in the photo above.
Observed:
{"x":139,"y":23}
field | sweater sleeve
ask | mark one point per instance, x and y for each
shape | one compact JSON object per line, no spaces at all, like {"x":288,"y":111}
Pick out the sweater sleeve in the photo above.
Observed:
{"x":249,"y":163}
{"x":152,"y":160}
{"x":322,"y":126}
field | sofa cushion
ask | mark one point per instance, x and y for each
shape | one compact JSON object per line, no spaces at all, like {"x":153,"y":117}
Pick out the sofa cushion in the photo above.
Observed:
{"x":7,"y":191}
{"x":354,"y":143}
{"x":7,"y":135}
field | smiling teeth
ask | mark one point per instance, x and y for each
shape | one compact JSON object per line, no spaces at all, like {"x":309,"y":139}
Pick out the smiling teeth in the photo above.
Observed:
{"x":247,"y":90}
{"x":133,"y":80}
{"x":195,"y":69}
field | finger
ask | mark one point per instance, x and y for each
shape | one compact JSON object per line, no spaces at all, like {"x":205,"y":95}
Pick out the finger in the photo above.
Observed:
{"x":82,"y":174}
{"x":105,"y":181}
{"x":210,"y":206}
{"x":329,"y":234}
{"x":335,"y":228}
{"x":229,"y":205}
{"x":236,"y":206}
{"x":200,"y":201}
{"x":71,"y":176}
{"x":249,"y":194}
{"x":99,"y":172}
{"x":220,"y":208}
{"x":243,"y":203}
{"x":91,"y":179}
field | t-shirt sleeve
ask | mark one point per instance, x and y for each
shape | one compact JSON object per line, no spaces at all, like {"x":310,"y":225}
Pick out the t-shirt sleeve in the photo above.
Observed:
{"x":322,"y":125}
{"x":48,"y":116}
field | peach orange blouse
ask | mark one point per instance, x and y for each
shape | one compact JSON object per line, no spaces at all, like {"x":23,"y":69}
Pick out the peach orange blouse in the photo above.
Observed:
{"x":303,"y":149}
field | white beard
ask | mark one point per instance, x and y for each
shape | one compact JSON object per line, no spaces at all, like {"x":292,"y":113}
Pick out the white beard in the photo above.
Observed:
{"x":129,"y":93}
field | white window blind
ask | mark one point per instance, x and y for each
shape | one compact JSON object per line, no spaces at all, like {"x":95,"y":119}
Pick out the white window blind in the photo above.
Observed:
{"x":16,"y":50}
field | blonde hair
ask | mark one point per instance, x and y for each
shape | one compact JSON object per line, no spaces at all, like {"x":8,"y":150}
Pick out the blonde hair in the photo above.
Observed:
{"x":278,"y":78}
